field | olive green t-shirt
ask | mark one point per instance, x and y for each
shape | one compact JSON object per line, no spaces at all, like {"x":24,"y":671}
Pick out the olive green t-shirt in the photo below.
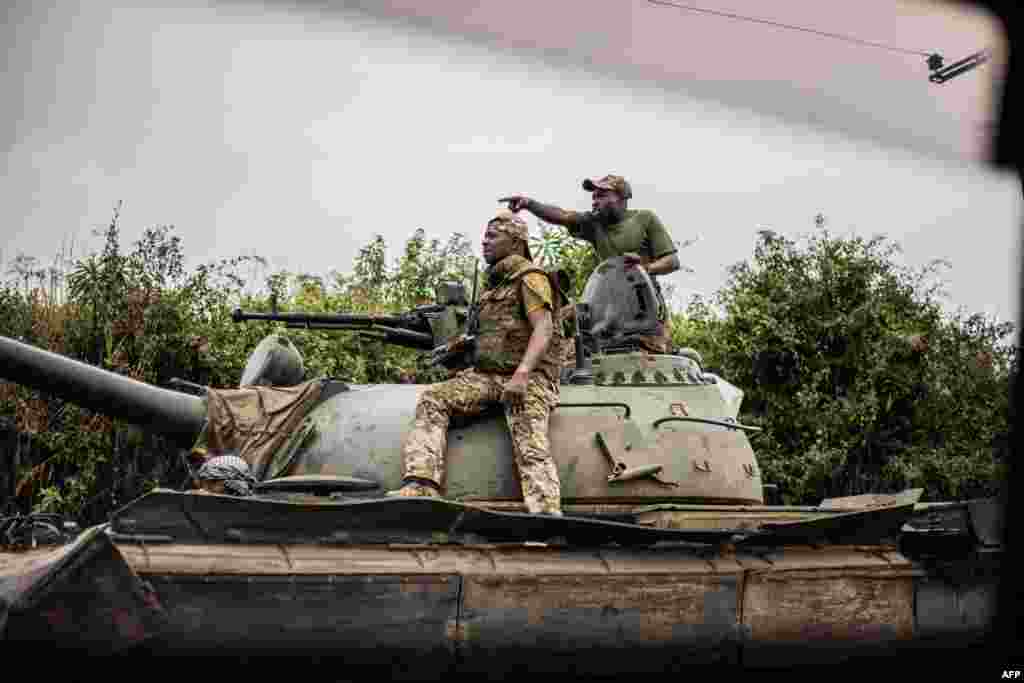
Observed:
{"x":639,"y":232}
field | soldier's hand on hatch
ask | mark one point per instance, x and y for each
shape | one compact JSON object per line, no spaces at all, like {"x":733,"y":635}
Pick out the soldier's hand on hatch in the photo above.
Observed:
{"x":632,"y":260}
{"x":515,"y":202}
{"x":514,"y":395}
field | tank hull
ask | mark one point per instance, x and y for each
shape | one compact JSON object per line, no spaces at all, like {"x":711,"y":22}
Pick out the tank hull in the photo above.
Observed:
{"x":421,"y":609}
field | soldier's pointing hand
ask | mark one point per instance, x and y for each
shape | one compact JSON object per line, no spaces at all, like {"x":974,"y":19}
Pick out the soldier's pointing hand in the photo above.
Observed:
{"x":515,"y":202}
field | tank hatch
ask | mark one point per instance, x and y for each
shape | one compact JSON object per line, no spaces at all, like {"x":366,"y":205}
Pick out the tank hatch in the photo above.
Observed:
{"x":619,"y":306}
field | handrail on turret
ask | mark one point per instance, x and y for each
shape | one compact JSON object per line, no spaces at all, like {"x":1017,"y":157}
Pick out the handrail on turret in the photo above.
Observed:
{"x":596,"y":405}
{"x":707,"y":420}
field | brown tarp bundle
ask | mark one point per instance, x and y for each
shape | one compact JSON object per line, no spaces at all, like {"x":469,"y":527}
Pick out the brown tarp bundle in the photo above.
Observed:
{"x":255,"y":421}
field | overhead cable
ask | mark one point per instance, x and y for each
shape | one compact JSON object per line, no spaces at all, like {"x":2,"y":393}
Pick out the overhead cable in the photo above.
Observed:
{"x":935,"y":61}
{"x":792,"y":27}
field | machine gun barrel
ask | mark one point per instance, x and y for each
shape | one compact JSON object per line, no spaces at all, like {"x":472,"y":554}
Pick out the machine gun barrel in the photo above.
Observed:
{"x":390,"y":335}
{"x":171,"y":413}
{"x":412,"y":321}
{"x":411,"y":330}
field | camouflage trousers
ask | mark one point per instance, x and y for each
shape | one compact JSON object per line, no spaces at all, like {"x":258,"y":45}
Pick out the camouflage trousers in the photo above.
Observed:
{"x":468,"y":393}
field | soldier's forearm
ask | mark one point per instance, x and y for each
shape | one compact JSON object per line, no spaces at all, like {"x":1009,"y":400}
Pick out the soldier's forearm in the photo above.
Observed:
{"x":535,"y":348}
{"x":665,"y":265}
{"x":548,"y":213}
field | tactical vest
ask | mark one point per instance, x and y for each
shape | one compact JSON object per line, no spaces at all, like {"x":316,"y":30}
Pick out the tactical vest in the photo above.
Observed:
{"x":505,"y":329}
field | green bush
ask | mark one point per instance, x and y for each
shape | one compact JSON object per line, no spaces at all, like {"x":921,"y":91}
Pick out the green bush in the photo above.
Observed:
{"x":859,"y":379}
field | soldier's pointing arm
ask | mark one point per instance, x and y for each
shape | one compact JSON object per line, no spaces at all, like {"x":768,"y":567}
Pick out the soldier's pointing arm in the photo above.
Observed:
{"x":546,"y":212}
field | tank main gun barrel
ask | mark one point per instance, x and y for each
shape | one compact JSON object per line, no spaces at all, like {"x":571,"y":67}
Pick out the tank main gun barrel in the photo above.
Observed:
{"x":175,"y":415}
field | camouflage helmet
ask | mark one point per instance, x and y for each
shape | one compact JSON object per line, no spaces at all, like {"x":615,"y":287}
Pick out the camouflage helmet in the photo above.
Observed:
{"x":614,"y":183}
{"x":511,"y":224}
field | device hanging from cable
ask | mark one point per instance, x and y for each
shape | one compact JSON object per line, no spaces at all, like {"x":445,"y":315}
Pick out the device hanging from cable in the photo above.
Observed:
{"x":941,"y":74}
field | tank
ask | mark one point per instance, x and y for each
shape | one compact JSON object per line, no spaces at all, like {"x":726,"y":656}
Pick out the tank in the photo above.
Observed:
{"x":666,"y":551}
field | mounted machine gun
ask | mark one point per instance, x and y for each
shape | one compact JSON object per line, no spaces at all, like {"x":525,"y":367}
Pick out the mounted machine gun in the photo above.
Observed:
{"x":431,"y":327}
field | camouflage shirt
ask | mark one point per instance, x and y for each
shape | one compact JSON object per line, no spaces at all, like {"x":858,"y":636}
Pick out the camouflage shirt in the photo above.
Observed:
{"x":505,"y":329}
{"x":537,"y":292}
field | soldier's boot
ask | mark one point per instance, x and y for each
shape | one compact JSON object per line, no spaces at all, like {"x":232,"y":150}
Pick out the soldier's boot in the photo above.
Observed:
{"x":416,"y":488}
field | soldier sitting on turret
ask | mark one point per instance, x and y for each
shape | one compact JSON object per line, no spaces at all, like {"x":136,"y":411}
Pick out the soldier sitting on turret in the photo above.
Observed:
{"x":520,"y":349}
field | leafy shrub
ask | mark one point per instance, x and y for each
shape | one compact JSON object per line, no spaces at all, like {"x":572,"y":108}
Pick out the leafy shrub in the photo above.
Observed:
{"x":859,"y":379}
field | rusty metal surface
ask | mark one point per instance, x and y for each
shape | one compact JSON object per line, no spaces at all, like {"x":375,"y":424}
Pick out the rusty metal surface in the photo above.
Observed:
{"x":830,"y":557}
{"x":717,"y":606}
{"x":709,"y":517}
{"x":215,"y":518}
{"x":872,"y":500}
{"x":863,"y":526}
{"x":391,"y":613}
{"x":719,"y":462}
{"x":856,"y":519}
{"x":508,"y":559}
{"x":809,"y":594}
{"x":810,"y":607}
{"x":695,"y":613}
{"x":616,"y":510}
{"x":407,"y":559}
{"x":706,"y":464}
{"x":183,"y":517}
{"x":459,"y":606}
{"x":767,"y":510}
{"x":82,"y":595}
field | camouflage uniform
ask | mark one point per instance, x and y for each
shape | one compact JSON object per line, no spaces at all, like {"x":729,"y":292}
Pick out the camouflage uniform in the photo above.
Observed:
{"x":468,"y":393}
{"x":504,"y":334}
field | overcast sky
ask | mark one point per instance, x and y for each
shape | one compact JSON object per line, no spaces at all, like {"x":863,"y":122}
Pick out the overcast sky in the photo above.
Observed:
{"x":298,"y":133}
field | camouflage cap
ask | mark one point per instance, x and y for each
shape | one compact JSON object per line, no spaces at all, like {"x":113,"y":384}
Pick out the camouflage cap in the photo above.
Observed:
{"x":509,"y":223}
{"x":615,"y":183}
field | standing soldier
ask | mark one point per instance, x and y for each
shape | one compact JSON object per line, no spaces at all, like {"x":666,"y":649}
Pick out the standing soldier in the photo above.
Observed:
{"x":614,"y":230}
{"x":517,"y":362}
